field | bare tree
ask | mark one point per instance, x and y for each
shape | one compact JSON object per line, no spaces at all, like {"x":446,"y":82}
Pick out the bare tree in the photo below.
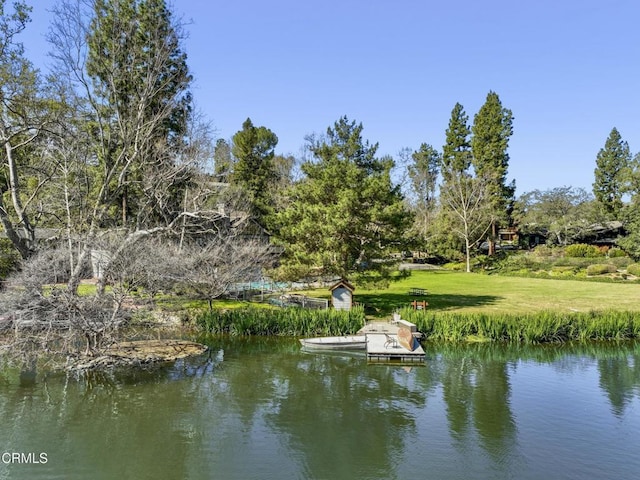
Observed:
{"x":44,"y":317}
{"x":113,"y":150}
{"x":135,"y":117}
{"x":213,"y":270}
{"x":464,"y":201}
{"x":24,"y":114}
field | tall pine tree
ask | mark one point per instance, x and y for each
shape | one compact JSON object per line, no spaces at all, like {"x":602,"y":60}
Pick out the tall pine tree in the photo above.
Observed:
{"x":141,"y":83}
{"x":254,"y":170}
{"x":612,"y":174}
{"x":346,"y":213}
{"x":456,"y":152}
{"x":492,"y":128}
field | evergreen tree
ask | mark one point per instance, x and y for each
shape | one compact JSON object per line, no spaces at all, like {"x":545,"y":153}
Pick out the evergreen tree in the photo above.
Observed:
{"x":612,"y":174}
{"x":346,"y":213}
{"x":254,"y":170}
{"x":456,"y":152}
{"x":141,"y":84}
{"x":492,"y":128}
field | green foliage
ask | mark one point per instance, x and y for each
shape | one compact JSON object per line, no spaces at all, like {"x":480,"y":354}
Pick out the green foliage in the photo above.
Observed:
{"x":582,"y":250}
{"x":621,"y":262}
{"x":601,"y":269}
{"x":9,"y":258}
{"x":492,"y":128}
{"x":631,"y":214}
{"x":254,"y":171}
{"x":545,"y":251}
{"x":455,"y":266}
{"x":288,"y":321}
{"x":616,"y":253}
{"x":24,"y":112}
{"x":612,"y":174}
{"x":142,"y":103}
{"x":541,"y":327}
{"x":520,"y":262}
{"x":456,"y":152}
{"x":634,"y":269}
{"x":130,"y":38}
{"x":346,"y":214}
{"x":563,"y":212}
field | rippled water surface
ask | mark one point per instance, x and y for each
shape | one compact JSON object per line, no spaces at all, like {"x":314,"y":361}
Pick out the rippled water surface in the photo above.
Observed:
{"x":263,"y":409}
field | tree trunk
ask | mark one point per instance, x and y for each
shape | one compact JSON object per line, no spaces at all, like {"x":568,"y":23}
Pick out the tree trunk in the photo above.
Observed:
{"x":492,"y":238}
{"x":11,"y":233}
{"x":25,"y":244}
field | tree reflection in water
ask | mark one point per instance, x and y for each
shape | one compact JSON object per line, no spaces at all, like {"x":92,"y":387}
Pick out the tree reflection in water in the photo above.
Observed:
{"x":260,"y":408}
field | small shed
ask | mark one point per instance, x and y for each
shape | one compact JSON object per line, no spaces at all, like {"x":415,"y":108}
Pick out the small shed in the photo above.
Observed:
{"x":100,"y":260}
{"x":342,"y":295}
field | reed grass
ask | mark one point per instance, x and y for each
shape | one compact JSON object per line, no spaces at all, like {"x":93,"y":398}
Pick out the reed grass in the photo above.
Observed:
{"x":286,"y":322}
{"x":533,"y":328}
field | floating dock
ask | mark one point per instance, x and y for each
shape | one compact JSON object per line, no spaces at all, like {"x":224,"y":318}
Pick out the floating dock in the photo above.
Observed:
{"x":384,"y":346}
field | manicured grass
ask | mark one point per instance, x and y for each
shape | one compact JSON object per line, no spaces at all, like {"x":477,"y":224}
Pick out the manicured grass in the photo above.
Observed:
{"x":478,"y":293}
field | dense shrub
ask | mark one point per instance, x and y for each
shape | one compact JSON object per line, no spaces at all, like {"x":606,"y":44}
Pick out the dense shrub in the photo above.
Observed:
{"x":545,"y":251}
{"x":621,"y":262}
{"x":634,"y":269}
{"x":582,"y":250}
{"x":9,"y":258}
{"x":456,"y":267}
{"x":616,"y":252}
{"x":519,"y":262}
{"x":601,"y":269}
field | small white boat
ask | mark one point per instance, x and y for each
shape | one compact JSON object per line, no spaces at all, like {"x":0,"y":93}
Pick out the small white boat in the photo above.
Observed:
{"x":347,"y":342}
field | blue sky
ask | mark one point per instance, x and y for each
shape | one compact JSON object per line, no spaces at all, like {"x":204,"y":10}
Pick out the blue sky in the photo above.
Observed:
{"x":569,"y":70}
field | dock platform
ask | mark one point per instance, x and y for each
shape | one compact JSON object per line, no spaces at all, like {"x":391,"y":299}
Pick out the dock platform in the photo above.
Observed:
{"x":383,"y":345}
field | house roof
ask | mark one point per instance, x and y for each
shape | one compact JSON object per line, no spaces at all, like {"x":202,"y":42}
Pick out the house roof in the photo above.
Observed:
{"x":342,"y":283}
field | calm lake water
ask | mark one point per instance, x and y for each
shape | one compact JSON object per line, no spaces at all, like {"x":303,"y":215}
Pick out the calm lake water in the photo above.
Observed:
{"x":262,"y":409}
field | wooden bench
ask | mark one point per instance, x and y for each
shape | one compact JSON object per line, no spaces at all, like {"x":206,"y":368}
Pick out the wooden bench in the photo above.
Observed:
{"x":418,"y":291}
{"x":419,"y":305}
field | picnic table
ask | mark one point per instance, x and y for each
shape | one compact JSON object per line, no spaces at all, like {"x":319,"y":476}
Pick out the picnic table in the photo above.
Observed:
{"x":418,"y":291}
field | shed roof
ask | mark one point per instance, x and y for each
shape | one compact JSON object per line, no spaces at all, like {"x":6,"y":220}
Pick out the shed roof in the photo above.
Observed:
{"x":342,"y":283}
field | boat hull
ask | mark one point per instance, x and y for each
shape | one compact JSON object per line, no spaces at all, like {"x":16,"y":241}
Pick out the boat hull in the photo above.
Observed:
{"x":354,"y":342}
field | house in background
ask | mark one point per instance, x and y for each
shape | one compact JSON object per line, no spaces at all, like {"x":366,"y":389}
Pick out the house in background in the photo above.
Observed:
{"x":342,"y":295}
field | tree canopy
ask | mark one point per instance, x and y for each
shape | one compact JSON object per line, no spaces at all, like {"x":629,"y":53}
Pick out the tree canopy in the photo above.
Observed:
{"x":346,"y":212}
{"x":492,"y":128}
{"x":456,"y":152}
{"x":254,"y":170}
{"x":612,"y":174}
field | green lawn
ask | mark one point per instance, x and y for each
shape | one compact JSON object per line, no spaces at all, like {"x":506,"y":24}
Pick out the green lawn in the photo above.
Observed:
{"x":468,"y":292}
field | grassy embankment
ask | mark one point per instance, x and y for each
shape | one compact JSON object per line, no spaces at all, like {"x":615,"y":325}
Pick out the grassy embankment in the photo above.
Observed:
{"x":479,"y":307}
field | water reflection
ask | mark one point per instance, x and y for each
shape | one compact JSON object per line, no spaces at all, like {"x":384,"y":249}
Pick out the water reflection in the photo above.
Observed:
{"x":103,"y":425}
{"x":261,"y":408}
{"x":341,"y":417}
